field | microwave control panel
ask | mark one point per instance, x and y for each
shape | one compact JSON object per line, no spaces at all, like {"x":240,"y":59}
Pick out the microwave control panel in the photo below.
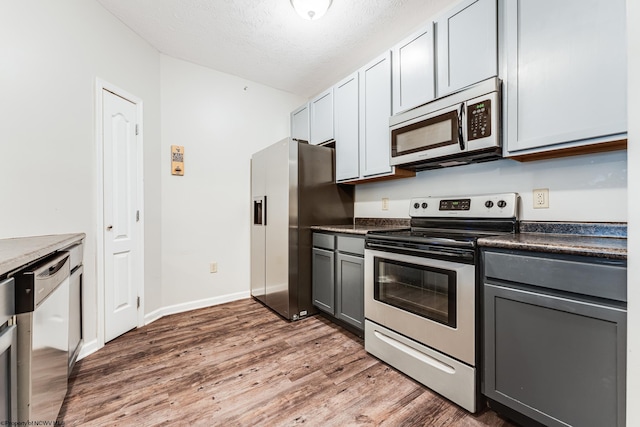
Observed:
{"x":479,"y":120}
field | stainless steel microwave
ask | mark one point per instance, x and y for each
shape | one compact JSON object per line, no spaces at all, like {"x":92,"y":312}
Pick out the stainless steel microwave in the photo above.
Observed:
{"x":461,"y":128}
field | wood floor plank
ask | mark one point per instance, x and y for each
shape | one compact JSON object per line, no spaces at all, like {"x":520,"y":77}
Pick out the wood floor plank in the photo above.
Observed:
{"x":240,"y":364}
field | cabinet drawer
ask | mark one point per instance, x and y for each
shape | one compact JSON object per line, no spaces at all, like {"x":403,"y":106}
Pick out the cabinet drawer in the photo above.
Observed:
{"x":568,"y":275}
{"x":352,"y":245}
{"x":325,"y":241}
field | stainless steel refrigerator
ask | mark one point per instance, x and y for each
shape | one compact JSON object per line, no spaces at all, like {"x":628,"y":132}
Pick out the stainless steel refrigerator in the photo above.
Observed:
{"x":292,"y":187}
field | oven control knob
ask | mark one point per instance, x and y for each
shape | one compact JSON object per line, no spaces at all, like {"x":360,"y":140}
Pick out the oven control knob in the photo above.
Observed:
{"x":502,"y":204}
{"x":424,"y":205}
{"x":416,"y":205}
{"x":488,"y":204}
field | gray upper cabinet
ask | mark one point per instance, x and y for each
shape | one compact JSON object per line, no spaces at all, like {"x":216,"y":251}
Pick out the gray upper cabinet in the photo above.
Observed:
{"x":346,"y":128}
{"x":321,"y":118}
{"x":466,"y":45}
{"x":375,"y":110}
{"x":565,"y":74}
{"x":300,"y":123}
{"x":413,"y":70}
{"x":362,"y":111}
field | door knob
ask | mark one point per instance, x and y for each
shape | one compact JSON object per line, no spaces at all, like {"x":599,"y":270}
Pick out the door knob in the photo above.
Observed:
{"x":109,"y":227}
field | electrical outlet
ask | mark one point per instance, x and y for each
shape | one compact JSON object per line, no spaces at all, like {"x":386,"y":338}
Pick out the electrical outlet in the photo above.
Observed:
{"x":541,"y":198}
{"x":213,"y":267}
{"x":385,"y":204}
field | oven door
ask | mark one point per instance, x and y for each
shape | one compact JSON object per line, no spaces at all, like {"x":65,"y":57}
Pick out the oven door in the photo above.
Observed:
{"x":430,"y":301}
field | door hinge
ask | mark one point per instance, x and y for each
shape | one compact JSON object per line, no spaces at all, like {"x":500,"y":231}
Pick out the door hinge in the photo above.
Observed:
{"x":138,"y":302}
{"x":136,"y":129}
{"x":137,"y":216}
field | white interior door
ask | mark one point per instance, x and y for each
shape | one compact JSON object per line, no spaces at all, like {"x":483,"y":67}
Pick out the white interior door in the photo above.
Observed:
{"x":121,"y":263}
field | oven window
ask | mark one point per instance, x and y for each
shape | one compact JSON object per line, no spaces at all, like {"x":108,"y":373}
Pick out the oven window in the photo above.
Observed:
{"x":426,"y":291}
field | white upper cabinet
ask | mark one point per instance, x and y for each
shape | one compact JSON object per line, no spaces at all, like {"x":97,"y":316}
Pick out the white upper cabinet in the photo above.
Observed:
{"x":565,"y":75}
{"x":300,"y":123}
{"x":466,"y":45}
{"x":346,"y":127}
{"x":321,"y":118}
{"x":375,"y":110}
{"x":413,"y":70}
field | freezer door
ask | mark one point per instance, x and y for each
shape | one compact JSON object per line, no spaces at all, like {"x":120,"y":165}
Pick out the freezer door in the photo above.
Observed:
{"x":281,"y":225}
{"x":258,"y":214}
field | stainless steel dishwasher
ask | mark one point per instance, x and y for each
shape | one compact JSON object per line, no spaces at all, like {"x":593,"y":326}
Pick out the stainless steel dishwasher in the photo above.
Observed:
{"x":8,"y":358}
{"x":42,"y":307}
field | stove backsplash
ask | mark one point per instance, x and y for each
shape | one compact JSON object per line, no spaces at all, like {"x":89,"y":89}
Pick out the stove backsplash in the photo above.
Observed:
{"x":590,"y":188}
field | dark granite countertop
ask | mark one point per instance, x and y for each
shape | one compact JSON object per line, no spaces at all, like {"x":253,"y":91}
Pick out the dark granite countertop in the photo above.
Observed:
{"x":600,"y":240}
{"x":19,"y":251}
{"x":362,"y":226}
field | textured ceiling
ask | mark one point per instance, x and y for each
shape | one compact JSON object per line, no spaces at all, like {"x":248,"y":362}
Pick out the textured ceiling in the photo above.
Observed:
{"x":267,"y":42}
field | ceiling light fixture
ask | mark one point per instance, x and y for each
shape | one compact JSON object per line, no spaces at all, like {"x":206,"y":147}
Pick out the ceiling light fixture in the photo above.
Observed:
{"x":311,"y":9}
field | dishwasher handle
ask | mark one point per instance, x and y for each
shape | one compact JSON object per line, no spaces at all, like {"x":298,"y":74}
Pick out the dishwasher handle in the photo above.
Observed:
{"x":36,"y":282}
{"x":51,"y":268}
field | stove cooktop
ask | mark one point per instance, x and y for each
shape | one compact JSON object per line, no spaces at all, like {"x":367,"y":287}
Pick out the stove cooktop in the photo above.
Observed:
{"x":455,"y":221}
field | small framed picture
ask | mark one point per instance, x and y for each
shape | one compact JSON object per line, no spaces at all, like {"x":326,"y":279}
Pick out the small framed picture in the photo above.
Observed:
{"x":177,"y":160}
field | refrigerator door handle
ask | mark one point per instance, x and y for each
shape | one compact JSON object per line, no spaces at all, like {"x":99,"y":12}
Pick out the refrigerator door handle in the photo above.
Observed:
{"x":264,"y":211}
{"x":259,"y":206}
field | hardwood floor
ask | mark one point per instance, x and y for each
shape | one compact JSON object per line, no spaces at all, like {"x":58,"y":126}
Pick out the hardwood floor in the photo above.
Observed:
{"x":240,"y":364}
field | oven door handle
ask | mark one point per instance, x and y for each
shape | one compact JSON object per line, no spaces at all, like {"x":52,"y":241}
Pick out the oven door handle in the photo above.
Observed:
{"x":464,"y":254}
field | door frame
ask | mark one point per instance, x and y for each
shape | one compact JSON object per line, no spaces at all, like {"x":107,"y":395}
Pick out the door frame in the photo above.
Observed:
{"x":101,"y":86}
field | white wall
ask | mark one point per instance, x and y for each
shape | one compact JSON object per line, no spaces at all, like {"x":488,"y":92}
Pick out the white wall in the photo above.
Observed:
{"x":633,"y":278}
{"x":581,"y":188}
{"x":52,"y":53}
{"x":220,"y":120}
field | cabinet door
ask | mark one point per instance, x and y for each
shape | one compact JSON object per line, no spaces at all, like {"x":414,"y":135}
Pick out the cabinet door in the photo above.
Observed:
{"x":323,"y":280}
{"x":321,"y":118}
{"x":565,"y":73}
{"x":559,"y":361}
{"x":350,"y":289}
{"x":346,"y":127}
{"x":467,"y":45}
{"x":375,"y":110}
{"x":413,"y":71}
{"x":300,"y":123}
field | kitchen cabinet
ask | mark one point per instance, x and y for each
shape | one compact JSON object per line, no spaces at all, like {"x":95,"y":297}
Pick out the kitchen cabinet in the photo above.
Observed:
{"x":321,"y":127}
{"x":300,"y":123}
{"x":555,"y":337}
{"x":323,"y":272}
{"x":467,"y":45}
{"x":375,"y":110}
{"x":414,"y":70}
{"x":346,"y":100}
{"x":338,"y":277}
{"x":362,"y":111}
{"x":465,"y":53}
{"x":565,"y":74}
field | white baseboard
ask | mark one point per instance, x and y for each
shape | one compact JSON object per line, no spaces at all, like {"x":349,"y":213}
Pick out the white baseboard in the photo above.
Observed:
{"x":89,"y":348}
{"x":193,"y":305}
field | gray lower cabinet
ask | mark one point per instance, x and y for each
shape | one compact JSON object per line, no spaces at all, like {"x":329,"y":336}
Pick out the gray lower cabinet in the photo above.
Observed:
{"x":555,"y":338}
{"x":323,"y":279}
{"x":338,"y":277}
{"x":350,"y":289}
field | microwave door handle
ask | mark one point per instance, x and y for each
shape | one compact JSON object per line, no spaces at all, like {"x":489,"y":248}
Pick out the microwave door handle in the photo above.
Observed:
{"x":460,"y":121}
{"x":264,"y":211}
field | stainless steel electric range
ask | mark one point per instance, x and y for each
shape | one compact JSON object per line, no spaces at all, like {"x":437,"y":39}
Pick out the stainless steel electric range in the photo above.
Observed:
{"x":421,"y":287}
